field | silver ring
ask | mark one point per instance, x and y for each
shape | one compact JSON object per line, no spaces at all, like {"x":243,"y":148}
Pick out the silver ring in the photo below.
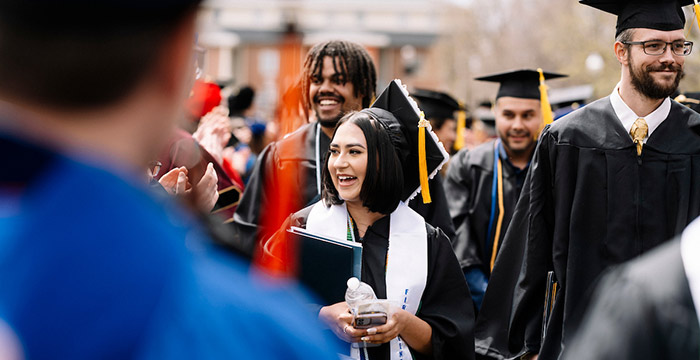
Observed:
{"x":345,"y":329}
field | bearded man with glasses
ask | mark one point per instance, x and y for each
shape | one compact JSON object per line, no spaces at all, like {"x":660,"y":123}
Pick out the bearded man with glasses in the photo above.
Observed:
{"x":607,"y":183}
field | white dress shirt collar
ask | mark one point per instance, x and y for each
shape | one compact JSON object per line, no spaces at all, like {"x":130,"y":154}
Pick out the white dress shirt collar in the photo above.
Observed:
{"x":628,"y":117}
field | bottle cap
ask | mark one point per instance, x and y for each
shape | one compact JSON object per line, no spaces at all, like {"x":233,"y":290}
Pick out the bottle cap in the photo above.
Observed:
{"x":353,"y":283}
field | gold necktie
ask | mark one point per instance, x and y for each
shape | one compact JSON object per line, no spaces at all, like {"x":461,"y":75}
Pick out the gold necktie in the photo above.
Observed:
{"x":639,"y":131}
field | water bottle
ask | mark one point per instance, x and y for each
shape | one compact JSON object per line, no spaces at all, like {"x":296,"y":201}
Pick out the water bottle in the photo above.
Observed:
{"x":357,"y":293}
{"x":360,"y":298}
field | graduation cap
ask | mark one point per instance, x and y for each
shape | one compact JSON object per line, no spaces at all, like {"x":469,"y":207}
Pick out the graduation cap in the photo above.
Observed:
{"x":440,"y":105}
{"x":436,"y":104}
{"x":526,"y":84}
{"x":665,"y":15}
{"x":519,"y":83}
{"x":418,"y":147}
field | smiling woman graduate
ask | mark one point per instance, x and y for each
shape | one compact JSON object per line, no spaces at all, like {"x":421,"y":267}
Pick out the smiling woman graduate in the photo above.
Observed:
{"x":404,"y":259}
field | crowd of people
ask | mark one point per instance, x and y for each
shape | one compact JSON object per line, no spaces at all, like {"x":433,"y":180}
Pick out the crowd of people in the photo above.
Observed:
{"x":150,"y":220}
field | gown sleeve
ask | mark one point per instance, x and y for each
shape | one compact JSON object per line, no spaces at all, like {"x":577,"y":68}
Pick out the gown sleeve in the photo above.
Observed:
{"x":250,"y":212}
{"x":641,"y":310}
{"x":435,"y":213}
{"x":446,"y":303}
{"x":459,"y":190}
{"x":510,"y":318}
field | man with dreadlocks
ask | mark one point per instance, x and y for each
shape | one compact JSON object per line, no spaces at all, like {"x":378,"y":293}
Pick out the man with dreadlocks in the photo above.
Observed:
{"x":338,"y":77}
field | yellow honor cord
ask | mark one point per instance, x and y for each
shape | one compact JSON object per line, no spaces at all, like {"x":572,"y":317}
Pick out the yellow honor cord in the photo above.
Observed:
{"x":501,"y":212}
{"x":547,"y":117}
{"x":696,"y":7}
{"x":461,"y":125}
{"x":422,"y":162}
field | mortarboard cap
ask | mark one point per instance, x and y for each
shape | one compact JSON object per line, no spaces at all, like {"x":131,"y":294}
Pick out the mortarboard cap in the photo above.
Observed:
{"x":401,"y":117}
{"x":665,"y":15}
{"x":519,"y":83}
{"x":435,"y":104}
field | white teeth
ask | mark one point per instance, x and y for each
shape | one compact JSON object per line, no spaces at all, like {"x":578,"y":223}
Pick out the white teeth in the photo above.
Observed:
{"x":343,"y":178}
{"x":327,"y":102}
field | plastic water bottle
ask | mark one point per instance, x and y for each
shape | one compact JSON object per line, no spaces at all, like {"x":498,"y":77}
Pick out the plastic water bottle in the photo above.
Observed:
{"x":358,"y":292}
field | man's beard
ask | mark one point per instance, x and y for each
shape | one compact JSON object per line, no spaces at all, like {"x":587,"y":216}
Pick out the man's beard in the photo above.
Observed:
{"x":330,"y":122}
{"x":647,"y":86}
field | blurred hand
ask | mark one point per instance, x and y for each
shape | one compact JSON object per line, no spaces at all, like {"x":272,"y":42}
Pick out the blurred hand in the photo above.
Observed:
{"x":207,"y":189}
{"x":175,"y":181}
{"x":214,"y":132}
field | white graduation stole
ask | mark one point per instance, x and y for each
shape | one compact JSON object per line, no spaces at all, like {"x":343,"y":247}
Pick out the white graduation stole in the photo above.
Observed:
{"x":407,"y":258}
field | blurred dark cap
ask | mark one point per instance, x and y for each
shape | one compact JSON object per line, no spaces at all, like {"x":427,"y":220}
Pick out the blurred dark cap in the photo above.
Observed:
{"x":101,"y":16}
{"x":241,"y":101}
{"x":664,"y":15}
{"x":436,"y":104}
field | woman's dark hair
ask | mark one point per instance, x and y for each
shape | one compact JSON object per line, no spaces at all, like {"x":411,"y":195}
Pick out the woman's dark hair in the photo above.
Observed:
{"x":382,"y":188}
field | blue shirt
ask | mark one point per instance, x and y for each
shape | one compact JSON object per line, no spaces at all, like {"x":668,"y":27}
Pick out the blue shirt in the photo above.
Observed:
{"x":92,"y":266}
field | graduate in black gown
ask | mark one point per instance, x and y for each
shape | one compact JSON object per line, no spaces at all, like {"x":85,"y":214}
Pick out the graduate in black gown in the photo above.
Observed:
{"x":404,"y":258}
{"x":339,"y":76}
{"x":594,"y":196}
{"x":645,"y":309}
{"x":481,"y":205}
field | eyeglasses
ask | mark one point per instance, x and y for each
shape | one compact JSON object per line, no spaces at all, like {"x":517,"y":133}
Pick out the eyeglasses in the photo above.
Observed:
{"x":154,"y":168}
{"x":658,"y":47}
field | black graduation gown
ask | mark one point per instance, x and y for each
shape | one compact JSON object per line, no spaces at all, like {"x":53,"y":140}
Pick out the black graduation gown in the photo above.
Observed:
{"x":297,"y":152}
{"x":588,"y":202}
{"x":468,"y":186}
{"x":445,"y":304}
{"x":642,"y":310}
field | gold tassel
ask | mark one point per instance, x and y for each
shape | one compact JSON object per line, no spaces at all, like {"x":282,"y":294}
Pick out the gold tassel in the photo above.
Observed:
{"x":422,"y":162}
{"x":461,"y":125}
{"x":696,"y":7}
{"x":547,"y":116}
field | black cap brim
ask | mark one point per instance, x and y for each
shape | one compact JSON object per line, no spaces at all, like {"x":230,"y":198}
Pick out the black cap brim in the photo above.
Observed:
{"x":664,"y":15}
{"x":522,"y":83}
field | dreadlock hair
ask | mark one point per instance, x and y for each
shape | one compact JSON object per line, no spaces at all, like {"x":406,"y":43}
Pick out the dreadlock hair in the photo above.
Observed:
{"x":355,"y":64}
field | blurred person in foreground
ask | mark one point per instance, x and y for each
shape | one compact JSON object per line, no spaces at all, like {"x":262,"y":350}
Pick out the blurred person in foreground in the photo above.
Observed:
{"x":607,"y":183}
{"x":646,"y":308}
{"x":339,"y":76}
{"x":483,"y":184}
{"x":92,"y":265}
{"x":404,"y":259}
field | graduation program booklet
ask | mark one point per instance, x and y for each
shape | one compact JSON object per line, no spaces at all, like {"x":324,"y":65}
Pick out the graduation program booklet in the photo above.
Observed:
{"x":325,"y":264}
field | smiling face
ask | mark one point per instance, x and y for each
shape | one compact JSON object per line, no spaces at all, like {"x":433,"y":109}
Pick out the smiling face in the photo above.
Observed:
{"x":518,"y":121}
{"x":331,"y":93}
{"x":347,"y":161}
{"x":655,"y":76}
